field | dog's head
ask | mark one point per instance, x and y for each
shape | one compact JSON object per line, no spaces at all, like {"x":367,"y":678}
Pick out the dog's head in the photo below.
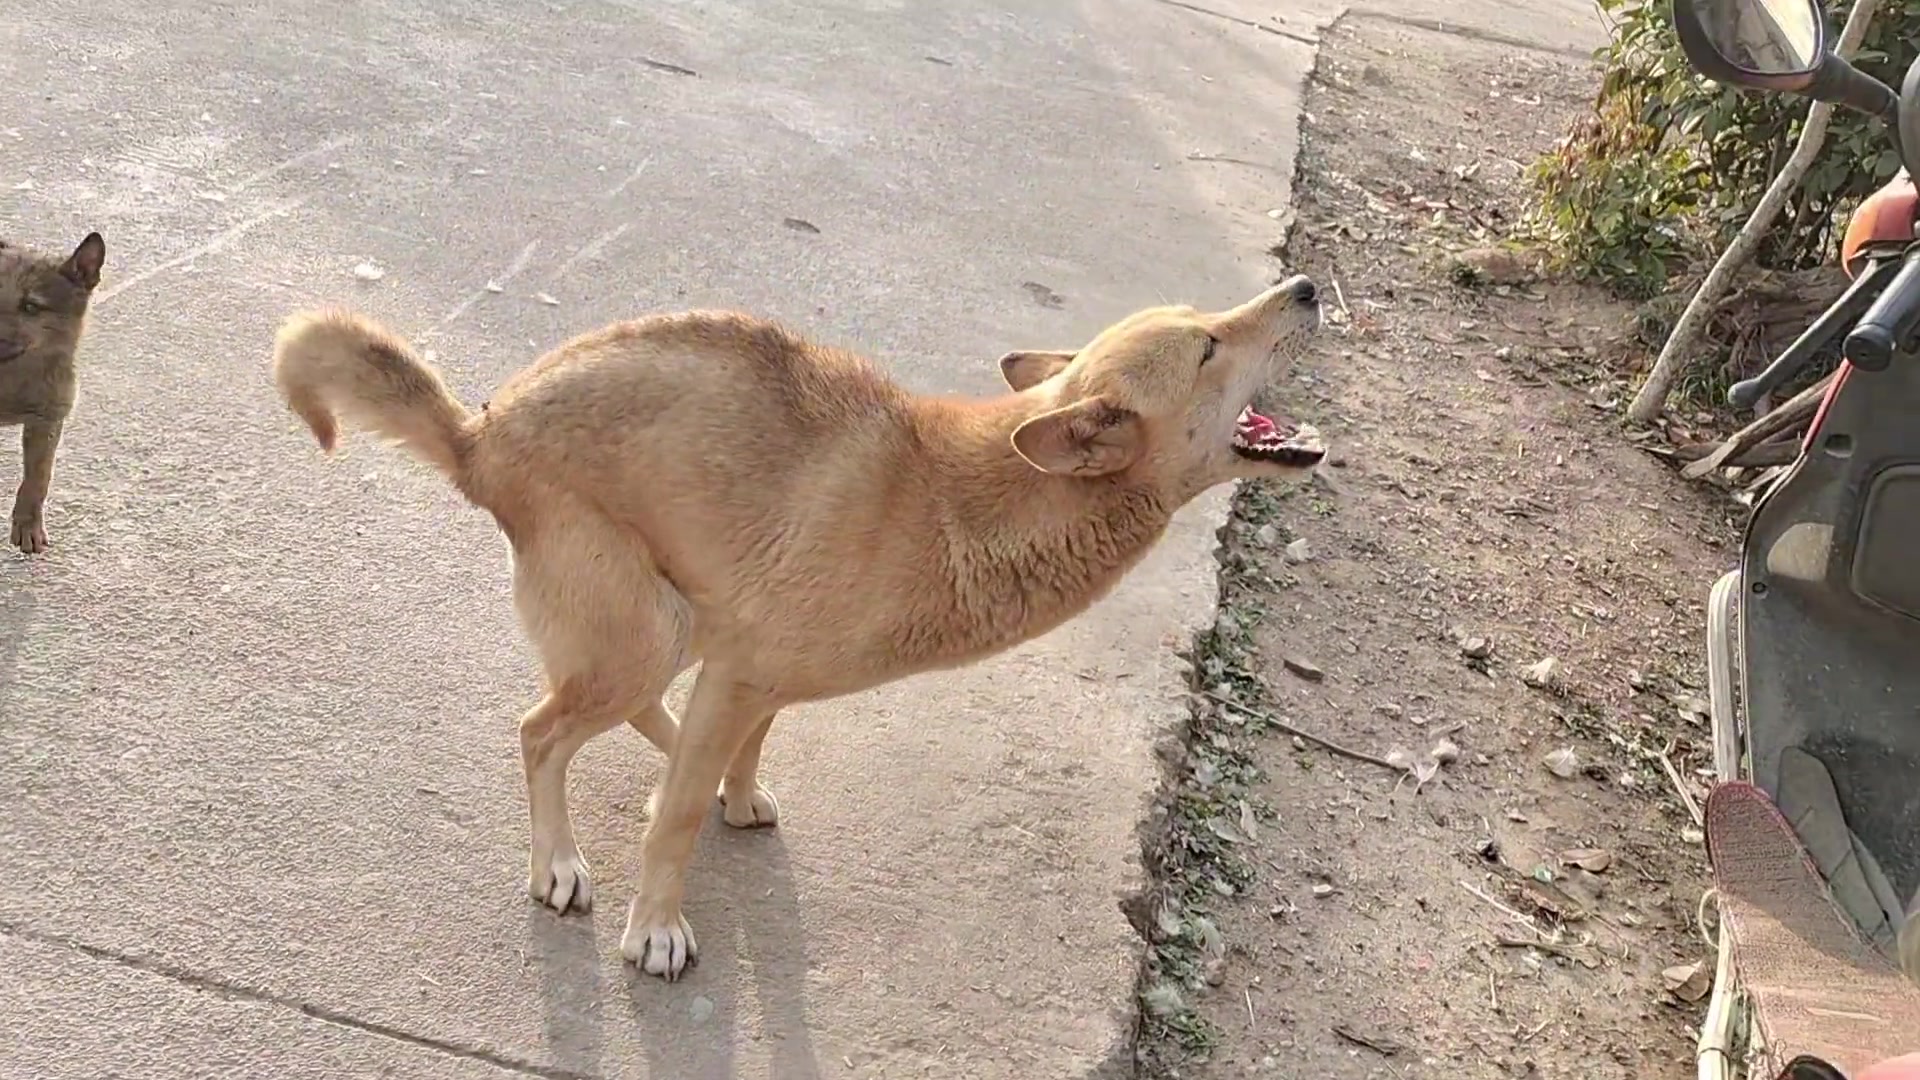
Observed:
{"x":1169,"y":392}
{"x":43,"y":300}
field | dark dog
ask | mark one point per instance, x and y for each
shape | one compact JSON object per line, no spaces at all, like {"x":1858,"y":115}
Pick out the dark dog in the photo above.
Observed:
{"x":43,"y":310}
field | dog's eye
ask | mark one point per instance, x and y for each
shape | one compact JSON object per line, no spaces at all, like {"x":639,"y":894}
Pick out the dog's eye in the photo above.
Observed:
{"x":28,"y":306}
{"x":1212,"y":344}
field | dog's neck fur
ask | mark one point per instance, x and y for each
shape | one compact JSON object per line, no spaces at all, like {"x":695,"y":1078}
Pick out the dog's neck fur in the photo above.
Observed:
{"x":1021,"y":550}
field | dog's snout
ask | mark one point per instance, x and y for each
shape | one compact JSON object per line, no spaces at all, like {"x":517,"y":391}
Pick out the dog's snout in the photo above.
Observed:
{"x":1303,"y":291}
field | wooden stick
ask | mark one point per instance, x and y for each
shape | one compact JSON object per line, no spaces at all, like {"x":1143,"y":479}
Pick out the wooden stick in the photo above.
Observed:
{"x":1267,"y":718}
{"x":1798,"y":408}
{"x":1766,"y":455}
{"x":1680,"y":788}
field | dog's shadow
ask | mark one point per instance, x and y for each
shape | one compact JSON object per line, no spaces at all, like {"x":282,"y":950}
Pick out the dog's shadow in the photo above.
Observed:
{"x":747,"y":920}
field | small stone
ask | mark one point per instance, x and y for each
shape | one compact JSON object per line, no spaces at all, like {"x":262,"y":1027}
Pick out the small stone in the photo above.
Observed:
{"x":700,"y":1009}
{"x":1215,"y":971}
{"x":367,"y":271}
{"x":1493,"y":266}
{"x":1303,"y":669}
{"x":1637,"y":679}
{"x":1476,"y":648}
{"x":547,"y":299}
{"x":1323,"y":890}
{"x":1390,"y":710}
{"x":1266,"y":535}
{"x":1299,"y":551}
{"x":1299,"y":743}
{"x":1563,"y":763}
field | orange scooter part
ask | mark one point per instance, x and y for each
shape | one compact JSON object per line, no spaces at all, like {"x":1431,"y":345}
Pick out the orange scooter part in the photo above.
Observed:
{"x":1883,"y":225}
{"x":1884,"y":222}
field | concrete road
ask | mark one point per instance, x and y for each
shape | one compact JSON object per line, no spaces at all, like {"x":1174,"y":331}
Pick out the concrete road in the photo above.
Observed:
{"x":260,"y":805}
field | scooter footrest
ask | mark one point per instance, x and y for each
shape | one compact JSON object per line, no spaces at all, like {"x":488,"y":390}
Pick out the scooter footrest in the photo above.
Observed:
{"x":1815,"y":986}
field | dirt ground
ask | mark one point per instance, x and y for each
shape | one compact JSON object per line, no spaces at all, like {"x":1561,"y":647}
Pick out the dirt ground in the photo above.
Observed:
{"x":1509,"y":906}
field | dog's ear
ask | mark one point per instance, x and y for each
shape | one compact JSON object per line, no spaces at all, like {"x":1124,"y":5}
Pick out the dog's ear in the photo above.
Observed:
{"x":1026,"y":368}
{"x":83,"y":266}
{"x":1087,"y":438}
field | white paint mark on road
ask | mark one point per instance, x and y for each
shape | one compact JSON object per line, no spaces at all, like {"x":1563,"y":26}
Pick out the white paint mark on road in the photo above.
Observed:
{"x":514,"y":268}
{"x":631,"y":177}
{"x":591,"y":250}
{"x":279,"y":209}
{"x":293,"y":162}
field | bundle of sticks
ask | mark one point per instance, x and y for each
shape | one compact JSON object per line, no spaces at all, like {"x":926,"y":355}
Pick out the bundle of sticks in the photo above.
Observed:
{"x":1751,"y":457}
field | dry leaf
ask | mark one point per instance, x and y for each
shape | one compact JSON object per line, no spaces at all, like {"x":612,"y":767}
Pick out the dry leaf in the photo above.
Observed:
{"x":1542,"y":675}
{"x":1592,"y":860}
{"x":1688,"y":982}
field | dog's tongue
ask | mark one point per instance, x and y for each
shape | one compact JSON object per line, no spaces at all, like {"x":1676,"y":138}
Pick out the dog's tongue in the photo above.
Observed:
{"x":1254,"y":426}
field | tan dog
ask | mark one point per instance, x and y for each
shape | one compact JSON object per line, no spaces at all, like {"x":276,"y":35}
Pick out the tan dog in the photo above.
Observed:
{"x":709,"y":486}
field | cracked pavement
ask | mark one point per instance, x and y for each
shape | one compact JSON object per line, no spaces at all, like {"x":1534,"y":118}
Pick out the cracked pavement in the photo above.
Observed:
{"x":262,"y":805}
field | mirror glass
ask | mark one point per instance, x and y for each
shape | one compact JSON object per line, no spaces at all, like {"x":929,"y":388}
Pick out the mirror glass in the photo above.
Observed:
{"x":1764,"y":37}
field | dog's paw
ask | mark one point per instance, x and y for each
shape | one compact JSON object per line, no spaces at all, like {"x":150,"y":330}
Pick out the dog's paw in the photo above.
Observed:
{"x":30,"y":534}
{"x":756,"y":810}
{"x":561,"y":882}
{"x":658,"y":946}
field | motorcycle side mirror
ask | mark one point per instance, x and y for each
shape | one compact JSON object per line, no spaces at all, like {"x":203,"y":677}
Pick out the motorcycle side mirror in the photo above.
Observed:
{"x":1778,"y":45}
{"x":1762,"y":44}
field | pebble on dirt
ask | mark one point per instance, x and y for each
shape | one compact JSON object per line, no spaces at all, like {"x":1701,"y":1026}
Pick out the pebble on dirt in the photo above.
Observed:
{"x":1563,"y":763}
{"x":1492,"y":266}
{"x":1299,"y":551}
{"x":1476,"y":648}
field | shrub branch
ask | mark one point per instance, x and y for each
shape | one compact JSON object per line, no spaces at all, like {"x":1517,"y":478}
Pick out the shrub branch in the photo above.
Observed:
{"x":1652,"y":397}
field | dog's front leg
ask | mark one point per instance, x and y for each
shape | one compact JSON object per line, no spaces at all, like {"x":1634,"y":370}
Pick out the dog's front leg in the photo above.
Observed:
{"x":720,"y":716}
{"x":38,"y":440}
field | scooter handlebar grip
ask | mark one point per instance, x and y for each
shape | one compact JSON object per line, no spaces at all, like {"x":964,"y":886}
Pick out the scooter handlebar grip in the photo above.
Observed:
{"x":1747,"y":393}
{"x":1888,"y":327}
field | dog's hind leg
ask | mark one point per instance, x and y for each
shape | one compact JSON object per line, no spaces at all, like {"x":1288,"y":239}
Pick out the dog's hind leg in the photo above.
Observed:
{"x":723,"y":713}
{"x":747,"y":805}
{"x":550,"y":735}
{"x":610,"y":633}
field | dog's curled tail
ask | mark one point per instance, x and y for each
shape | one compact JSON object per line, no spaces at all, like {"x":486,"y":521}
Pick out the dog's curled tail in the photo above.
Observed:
{"x":333,"y":364}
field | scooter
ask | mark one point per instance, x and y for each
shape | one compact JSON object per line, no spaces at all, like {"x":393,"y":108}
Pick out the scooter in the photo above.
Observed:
{"x":1813,"y":644}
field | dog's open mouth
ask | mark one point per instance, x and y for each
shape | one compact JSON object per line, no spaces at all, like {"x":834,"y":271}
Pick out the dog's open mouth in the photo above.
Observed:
{"x":1260,"y":438}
